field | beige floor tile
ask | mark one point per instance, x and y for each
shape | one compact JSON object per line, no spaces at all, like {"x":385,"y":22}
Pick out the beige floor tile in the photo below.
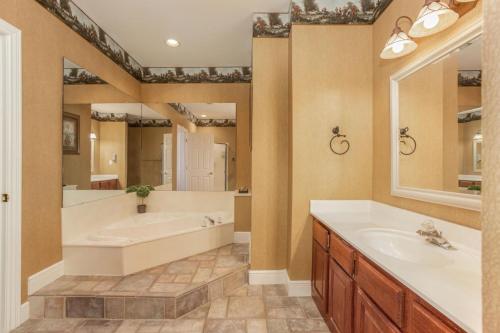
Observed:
{"x":218,"y":309}
{"x":254,"y":290}
{"x":182,"y":267}
{"x":242,"y":291}
{"x":246,"y":307}
{"x":168,"y":287}
{"x":183,"y":278}
{"x":165,"y":278}
{"x":137,"y":282}
{"x":183,"y":326}
{"x":256,"y":326}
{"x":199,"y":313}
{"x":151,"y":326}
{"x":307,"y":325}
{"x":225,"y":326}
{"x":202,"y":274}
{"x":277,"y":326}
{"x":280,"y":301}
{"x":275,"y":290}
{"x":286,"y":313}
{"x":309,"y":307}
{"x":129,"y":326}
{"x":98,"y":326}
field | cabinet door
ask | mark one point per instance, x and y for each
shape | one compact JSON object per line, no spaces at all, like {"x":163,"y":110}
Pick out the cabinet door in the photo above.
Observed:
{"x":369,"y":318}
{"x":424,"y":321}
{"x":340,"y":301}
{"x":94,"y":185}
{"x":320,"y":277}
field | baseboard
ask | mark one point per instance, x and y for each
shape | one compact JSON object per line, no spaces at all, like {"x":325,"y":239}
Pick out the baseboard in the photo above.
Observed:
{"x":39,"y":280}
{"x":25,"y":312}
{"x":298,"y":288}
{"x":241,"y":237}
{"x":267,"y":277}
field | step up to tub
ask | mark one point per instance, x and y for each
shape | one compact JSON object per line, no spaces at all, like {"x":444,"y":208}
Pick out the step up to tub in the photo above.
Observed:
{"x":164,"y":292}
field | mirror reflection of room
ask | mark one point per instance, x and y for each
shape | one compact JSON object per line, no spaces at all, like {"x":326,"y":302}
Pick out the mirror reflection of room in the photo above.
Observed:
{"x":440,"y":123}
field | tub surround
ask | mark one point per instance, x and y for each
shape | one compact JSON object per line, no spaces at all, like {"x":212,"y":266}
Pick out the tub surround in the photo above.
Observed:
{"x":450,"y":281}
{"x":164,"y":292}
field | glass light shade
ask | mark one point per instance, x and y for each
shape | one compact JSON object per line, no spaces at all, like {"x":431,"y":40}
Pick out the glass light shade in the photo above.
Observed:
{"x":434,"y":17}
{"x":93,"y":136}
{"x":398,"y":45}
{"x":478,"y":137}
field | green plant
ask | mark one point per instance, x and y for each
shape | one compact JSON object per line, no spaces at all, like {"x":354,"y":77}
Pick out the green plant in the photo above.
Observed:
{"x":142,"y":191}
{"x":474,"y":188}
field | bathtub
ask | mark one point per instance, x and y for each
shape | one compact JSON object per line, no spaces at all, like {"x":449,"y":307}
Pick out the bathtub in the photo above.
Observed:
{"x":135,"y":242}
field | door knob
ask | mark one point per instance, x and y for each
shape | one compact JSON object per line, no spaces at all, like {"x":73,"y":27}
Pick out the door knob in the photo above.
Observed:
{"x":5,"y":197}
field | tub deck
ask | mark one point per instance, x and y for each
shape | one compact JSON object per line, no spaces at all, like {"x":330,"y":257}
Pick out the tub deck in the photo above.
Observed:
{"x":163,"y":292}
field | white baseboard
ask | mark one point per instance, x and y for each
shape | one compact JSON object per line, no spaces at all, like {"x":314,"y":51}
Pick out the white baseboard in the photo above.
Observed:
{"x":242,"y":237}
{"x":267,"y":277}
{"x":39,"y":280}
{"x":298,"y":288}
{"x":25,"y":312}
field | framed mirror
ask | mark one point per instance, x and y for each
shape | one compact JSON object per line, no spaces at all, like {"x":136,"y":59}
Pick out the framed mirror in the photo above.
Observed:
{"x":436,"y":132}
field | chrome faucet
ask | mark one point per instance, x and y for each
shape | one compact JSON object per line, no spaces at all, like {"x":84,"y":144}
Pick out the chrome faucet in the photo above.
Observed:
{"x":434,"y":236}
{"x":212,"y":221}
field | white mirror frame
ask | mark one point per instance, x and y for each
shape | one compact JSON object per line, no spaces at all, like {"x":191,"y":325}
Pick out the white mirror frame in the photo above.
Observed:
{"x":461,"y":200}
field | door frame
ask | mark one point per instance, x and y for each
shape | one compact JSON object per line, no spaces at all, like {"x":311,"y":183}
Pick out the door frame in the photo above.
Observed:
{"x":10,"y":177}
{"x":181,"y":159}
{"x":226,"y":167}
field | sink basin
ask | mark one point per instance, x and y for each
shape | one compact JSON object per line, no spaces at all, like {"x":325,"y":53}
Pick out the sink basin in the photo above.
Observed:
{"x":404,"y":246}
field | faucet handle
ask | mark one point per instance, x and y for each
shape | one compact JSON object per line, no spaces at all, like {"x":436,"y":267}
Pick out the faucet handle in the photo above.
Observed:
{"x":428,"y":225}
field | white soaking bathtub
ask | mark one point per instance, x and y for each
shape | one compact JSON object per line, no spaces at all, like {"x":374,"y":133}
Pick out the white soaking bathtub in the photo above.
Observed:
{"x":136,"y":242}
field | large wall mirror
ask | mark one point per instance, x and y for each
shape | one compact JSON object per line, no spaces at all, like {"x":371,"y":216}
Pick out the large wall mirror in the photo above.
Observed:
{"x":111,"y":141}
{"x":436,"y":125}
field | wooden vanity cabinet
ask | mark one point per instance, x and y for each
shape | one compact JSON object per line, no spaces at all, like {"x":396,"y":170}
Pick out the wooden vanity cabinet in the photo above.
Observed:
{"x":111,"y":184}
{"x":354,"y":295}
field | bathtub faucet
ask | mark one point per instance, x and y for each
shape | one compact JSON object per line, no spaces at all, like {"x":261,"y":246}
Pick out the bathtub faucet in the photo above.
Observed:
{"x":212,"y":221}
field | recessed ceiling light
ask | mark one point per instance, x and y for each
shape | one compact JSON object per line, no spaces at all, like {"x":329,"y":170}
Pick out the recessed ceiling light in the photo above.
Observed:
{"x":203,"y":115}
{"x":172,"y":42}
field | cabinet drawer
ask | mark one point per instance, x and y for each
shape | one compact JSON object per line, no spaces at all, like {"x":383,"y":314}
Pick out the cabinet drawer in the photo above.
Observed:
{"x":342,"y":253}
{"x":425,"y":319}
{"x":388,"y":295}
{"x":320,"y":235}
{"x":368,"y":317}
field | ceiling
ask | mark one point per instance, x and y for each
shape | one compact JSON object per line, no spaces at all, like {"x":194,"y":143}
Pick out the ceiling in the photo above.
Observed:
{"x":134,"y":109}
{"x":212,"y":110}
{"x":211,"y":33}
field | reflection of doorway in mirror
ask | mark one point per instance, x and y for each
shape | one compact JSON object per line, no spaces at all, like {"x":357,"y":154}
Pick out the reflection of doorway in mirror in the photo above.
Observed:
{"x":167,"y":162}
{"x":181,"y":158}
{"x":476,"y":152}
{"x":200,"y":162}
{"x":220,"y":167}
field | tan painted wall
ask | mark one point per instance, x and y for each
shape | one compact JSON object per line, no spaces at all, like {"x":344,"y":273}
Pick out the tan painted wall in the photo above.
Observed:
{"x":383,"y":69}
{"x":331,"y":81}
{"x":421,"y":110}
{"x":95,"y":128}
{"x":225,"y":135}
{"x":151,"y":154}
{"x":46,"y":41}
{"x":113,"y":140}
{"x":76,"y":167}
{"x":491,"y":171}
{"x":469,"y":98}
{"x":270,"y":153}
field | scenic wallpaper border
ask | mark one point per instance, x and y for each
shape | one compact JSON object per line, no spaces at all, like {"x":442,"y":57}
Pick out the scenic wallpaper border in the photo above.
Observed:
{"x":132,"y":120}
{"x":469,"y":78}
{"x":183,"y":110}
{"x":197,"y":75}
{"x":80,"y":76}
{"x":318,"y":12}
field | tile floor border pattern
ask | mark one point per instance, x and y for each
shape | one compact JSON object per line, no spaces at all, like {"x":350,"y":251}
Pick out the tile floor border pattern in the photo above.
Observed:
{"x":134,"y":296}
{"x":248,"y":309}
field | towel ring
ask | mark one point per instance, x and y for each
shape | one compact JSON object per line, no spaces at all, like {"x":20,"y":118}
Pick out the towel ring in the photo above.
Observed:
{"x":403,"y":136}
{"x":337,"y":135}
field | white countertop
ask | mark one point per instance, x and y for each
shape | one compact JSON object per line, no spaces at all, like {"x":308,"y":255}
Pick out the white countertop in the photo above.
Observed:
{"x":101,"y":178}
{"x":453,"y":287}
{"x":474,"y":178}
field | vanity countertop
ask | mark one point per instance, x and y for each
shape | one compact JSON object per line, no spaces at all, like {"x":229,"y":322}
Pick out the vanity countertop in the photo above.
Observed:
{"x":101,"y":178}
{"x":448,"y":280}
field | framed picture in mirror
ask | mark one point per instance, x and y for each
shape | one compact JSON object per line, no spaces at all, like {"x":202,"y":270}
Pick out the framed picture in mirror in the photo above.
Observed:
{"x":71,"y":133}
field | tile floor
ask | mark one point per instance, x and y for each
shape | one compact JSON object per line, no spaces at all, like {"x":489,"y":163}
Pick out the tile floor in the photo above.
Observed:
{"x":167,"y":280}
{"x":249,"y":309}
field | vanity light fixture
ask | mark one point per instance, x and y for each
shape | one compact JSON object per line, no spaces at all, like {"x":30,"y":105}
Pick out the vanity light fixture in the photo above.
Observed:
{"x":93,"y":136}
{"x":435,"y":16}
{"x":173,"y":42}
{"x":478,"y":136}
{"x":203,"y":115}
{"x":399,"y":44}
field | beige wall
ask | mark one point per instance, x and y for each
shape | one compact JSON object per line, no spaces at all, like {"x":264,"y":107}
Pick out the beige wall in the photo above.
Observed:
{"x":469,"y":98}
{"x":151,"y":154}
{"x":95,"y":128}
{"x":46,"y":40}
{"x":270,"y":153}
{"x":76,"y":167}
{"x":331,"y":79}
{"x":491,"y":171}
{"x":225,"y":135}
{"x":382,"y":70}
{"x":113,"y":140}
{"x":466,"y":134}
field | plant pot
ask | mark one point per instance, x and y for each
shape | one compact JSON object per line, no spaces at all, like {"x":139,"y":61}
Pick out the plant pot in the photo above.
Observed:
{"x":141,"y":209}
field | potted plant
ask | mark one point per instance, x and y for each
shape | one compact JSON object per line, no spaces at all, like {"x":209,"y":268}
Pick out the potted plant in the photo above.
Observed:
{"x":142,"y":192}
{"x":476,"y":189}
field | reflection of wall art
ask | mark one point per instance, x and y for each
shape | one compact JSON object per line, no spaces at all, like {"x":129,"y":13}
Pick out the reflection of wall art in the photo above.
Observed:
{"x":468,"y":116}
{"x":197,"y":75}
{"x":271,"y":25}
{"x":77,"y":20}
{"x":318,"y":12}
{"x":71,"y":133}
{"x":470,"y":78}
{"x":181,"y":109}
{"x":81,"y":76}
{"x":102,"y":116}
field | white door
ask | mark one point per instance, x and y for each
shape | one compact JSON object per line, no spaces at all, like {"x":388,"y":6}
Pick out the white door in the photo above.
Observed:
{"x":220,"y":167}
{"x":200,"y":162}
{"x":167,"y":162}
{"x":181,"y":158}
{"x":10,"y":177}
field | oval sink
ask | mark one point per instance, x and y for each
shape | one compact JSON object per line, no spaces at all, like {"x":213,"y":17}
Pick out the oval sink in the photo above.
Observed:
{"x":404,"y":246}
